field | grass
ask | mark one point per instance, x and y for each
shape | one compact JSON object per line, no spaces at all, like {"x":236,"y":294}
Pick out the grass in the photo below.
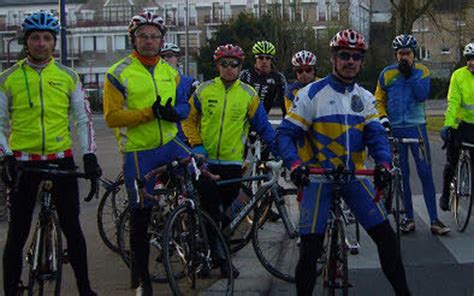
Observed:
{"x":434,"y":123}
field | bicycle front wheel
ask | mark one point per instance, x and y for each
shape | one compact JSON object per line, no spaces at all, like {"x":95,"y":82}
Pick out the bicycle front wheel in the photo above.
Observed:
{"x":45,"y":259}
{"x":337,"y":268}
{"x":463,"y":204}
{"x":193,"y":247}
{"x":111,"y":205}
{"x":277,"y":249}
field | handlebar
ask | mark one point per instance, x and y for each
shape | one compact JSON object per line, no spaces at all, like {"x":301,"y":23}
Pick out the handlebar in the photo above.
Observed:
{"x":405,"y":140}
{"x":53,"y":170}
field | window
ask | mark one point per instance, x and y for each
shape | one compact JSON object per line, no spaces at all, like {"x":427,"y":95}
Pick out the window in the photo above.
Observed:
{"x":227,"y":11}
{"x":192,"y":14}
{"x":121,"y":42}
{"x":170,"y":13}
{"x":94,"y":43}
{"x":445,"y":50}
{"x":423,"y":53}
{"x":335,"y":13}
{"x":71,"y":16}
{"x":88,"y":15}
{"x":181,"y":14}
{"x":420,"y":25}
{"x":321,"y":12}
{"x":216,"y":8}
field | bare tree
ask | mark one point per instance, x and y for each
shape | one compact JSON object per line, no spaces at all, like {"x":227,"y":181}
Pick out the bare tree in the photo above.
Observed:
{"x":408,"y":11}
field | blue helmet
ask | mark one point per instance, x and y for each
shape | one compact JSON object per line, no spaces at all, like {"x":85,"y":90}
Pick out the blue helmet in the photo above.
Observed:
{"x":41,"y":21}
{"x":404,"y":41}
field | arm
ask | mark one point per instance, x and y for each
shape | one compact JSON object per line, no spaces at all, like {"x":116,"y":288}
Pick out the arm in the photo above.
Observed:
{"x":454,"y":102}
{"x":281,"y":94}
{"x":81,"y":114}
{"x":182,"y":96}
{"x":375,"y":138}
{"x":191,"y":124}
{"x":114,"y":109}
{"x":259,"y":122}
{"x":4,"y":121}
{"x":381,"y":97}
{"x":420,"y":85}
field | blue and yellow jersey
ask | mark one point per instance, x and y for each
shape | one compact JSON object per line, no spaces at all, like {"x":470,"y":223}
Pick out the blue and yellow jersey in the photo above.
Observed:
{"x":401,"y":99}
{"x":339,"y":120}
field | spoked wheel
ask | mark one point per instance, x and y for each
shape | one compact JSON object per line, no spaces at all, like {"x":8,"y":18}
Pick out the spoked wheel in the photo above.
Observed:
{"x":463,"y":203}
{"x":337,"y":268}
{"x":45,"y":259}
{"x":192,"y":250}
{"x":275,"y":248}
{"x":155,"y":260}
{"x":111,"y":205}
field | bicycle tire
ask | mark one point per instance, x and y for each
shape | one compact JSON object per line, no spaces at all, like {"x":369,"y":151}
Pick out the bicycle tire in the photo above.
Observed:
{"x":49,"y":271}
{"x":337,"y":261}
{"x":108,"y":213}
{"x":181,"y":241}
{"x":274,"y":247}
{"x":463,"y":204}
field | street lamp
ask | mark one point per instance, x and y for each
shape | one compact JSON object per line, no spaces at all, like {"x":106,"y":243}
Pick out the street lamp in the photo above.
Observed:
{"x":186,"y":48}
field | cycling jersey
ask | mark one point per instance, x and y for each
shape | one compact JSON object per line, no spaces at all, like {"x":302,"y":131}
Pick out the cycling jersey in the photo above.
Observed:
{"x":220,"y":119}
{"x":460,"y":98}
{"x":130,"y":89}
{"x":36,"y":102}
{"x":270,"y":88}
{"x":400,"y":99}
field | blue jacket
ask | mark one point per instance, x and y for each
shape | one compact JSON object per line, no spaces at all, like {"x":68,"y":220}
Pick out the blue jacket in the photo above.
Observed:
{"x":403,"y":100}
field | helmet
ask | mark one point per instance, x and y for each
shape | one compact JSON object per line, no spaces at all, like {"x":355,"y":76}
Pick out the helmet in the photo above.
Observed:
{"x":229,"y":51}
{"x":264,"y":47}
{"x":404,"y":41}
{"x":468,"y":50}
{"x":41,"y":20}
{"x":348,"y":39}
{"x":303,"y":58}
{"x":168,"y":46}
{"x":146,"y":18}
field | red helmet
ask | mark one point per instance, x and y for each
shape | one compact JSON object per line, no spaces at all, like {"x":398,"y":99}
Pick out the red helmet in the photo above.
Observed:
{"x":229,"y":51}
{"x":303,"y":58}
{"x":348,"y":39}
{"x":146,"y":18}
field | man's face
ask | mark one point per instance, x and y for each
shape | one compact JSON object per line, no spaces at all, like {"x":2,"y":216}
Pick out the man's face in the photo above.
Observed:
{"x":229,"y":69}
{"x":347,"y":63}
{"x":40,"y":45}
{"x":263,"y":63}
{"x":148,"y":40}
{"x":305,"y":75}
{"x":470,"y":63}
{"x":405,"y":54}
{"x":171,"y":57}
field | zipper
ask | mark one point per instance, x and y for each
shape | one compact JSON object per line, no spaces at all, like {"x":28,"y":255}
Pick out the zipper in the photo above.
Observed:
{"x":347,"y":135}
{"x":42,"y":113}
{"x":222,"y":126}
{"x":156,"y":93}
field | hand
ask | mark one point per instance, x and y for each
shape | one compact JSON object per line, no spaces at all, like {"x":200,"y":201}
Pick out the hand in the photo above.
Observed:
{"x":91,"y":166}
{"x":9,"y":170}
{"x":386,"y":124}
{"x":382,"y":176}
{"x":446,"y":133}
{"x":199,"y":150}
{"x":299,"y":174}
{"x":405,"y":68}
{"x":166,"y":112}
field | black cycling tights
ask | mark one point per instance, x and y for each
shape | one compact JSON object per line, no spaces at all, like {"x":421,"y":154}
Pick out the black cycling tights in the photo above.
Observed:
{"x":385,"y":239}
{"x":22,"y":203}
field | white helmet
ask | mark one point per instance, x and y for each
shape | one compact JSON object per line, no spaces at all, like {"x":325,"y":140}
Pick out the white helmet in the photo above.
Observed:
{"x":303,"y":58}
{"x":468,"y":50}
{"x":168,"y":46}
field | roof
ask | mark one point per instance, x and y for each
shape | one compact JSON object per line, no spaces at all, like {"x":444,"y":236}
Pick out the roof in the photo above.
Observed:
{"x":36,"y":2}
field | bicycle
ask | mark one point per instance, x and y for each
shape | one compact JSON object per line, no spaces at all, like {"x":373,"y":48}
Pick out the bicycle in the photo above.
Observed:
{"x":192,"y":236}
{"x":113,"y":202}
{"x":335,"y":266}
{"x":45,"y":255}
{"x":461,"y":188}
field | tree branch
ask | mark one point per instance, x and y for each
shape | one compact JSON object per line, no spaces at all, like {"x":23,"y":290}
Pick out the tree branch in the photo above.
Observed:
{"x":394,"y":5}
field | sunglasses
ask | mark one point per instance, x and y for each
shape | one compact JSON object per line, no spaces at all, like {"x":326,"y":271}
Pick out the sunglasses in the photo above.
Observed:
{"x":345,"y":56}
{"x":169,"y":55}
{"x":232,"y":64}
{"x":262,"y":57}
{"x":307,"y":70}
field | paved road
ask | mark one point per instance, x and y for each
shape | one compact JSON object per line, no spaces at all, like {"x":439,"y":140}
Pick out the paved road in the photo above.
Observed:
{"x":435,"y":266}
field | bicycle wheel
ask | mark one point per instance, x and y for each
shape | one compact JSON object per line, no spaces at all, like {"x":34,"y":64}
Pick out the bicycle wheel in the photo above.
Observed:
{"x":463,"y":204}
{"x":111,"y":205}
{"x":46,"y":259}
{"x":337,"y":268}
{"x":192,"y":248}
{"x":155,"y":260}
{"x":275,"y":248}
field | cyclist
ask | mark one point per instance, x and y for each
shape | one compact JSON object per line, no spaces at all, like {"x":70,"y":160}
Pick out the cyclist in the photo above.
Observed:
{"x":459,"y":118}
{"x":269,"y":83}
{"x":402,"y":89}
{"x":36,"y":96}
{"x":340,"y":118}
{"x":143,"y":101}
{"x":171,"y":53}
{"x":221,"y":111}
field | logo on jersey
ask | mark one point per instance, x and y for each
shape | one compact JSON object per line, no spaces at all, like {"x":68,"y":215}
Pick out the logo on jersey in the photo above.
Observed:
{"x":356,"y":104}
